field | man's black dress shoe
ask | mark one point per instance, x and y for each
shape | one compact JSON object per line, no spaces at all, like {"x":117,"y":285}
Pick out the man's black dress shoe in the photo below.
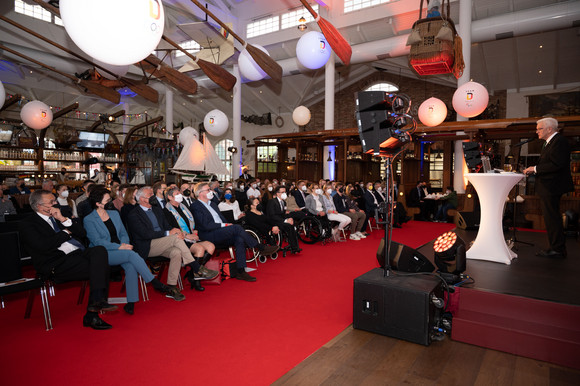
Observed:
{"x":551,"y":254}
{"x":129,"y":308}
{"x":196,"y":284}
{"x":96,"y":323}
{"x":102,"y":306}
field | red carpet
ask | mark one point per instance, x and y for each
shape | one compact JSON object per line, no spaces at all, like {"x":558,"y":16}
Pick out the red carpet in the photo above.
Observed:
{"x":236,"y":333}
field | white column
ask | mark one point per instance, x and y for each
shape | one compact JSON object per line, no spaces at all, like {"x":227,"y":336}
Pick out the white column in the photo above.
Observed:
{"x":168,"y":111}
{"x":459,"y":166}
{"x":237,"y":124}
{"x":329,"y":75}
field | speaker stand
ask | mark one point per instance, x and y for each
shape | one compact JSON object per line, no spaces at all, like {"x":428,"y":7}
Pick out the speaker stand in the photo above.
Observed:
{"x":388,"y":210}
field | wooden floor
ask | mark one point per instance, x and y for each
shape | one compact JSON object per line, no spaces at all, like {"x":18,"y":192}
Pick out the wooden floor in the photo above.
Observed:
{"x":358,"y":357}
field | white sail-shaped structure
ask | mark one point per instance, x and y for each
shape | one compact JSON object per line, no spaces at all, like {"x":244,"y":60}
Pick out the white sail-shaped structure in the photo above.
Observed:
{"x":197,"y":157}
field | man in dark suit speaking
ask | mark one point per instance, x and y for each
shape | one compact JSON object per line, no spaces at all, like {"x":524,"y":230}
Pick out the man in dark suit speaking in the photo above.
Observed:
{"x":553,"y":179}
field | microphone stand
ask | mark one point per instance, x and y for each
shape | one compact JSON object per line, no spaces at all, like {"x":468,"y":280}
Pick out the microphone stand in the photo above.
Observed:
{"x":514,"y":238}
{"x":389,"y":187}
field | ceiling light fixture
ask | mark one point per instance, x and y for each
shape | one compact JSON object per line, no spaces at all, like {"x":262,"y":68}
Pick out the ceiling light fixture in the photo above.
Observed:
{"x":302,"y":23}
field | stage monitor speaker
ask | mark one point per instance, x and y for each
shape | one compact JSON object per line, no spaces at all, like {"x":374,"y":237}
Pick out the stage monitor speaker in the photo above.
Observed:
{"x":404,"y":258}
{"x":467,"y":220}
{"x":397,"y":306}
{"x":373,"y":100}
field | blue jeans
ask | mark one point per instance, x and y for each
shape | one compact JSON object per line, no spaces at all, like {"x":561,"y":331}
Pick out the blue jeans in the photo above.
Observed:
{"x":133,"y":265}
{"x":442,"y":212}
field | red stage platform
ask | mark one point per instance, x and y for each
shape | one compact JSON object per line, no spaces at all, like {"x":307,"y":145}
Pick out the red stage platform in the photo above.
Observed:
{"x":529,"y":308}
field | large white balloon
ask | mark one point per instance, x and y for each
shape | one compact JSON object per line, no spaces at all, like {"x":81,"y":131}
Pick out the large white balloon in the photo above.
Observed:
{"x":117,"y":70}
{"x":432,"y":112}
{"x":2,"y":94}
{"x":187,"y":134}
{"x":470,"y":99}
{"x":36,"y":115}
{"x":248,"y":66}
{"x":301,"y":115}
{"x":118,"y":32}
{"x":216,"y":123}
{"x":313,"y":50}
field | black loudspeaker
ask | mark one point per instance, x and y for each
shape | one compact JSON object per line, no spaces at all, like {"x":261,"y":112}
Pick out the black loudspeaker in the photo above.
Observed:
{"x":373,"y":100}
{"x":404,"y":258}
{"x":397,"y":306}
{"x":467,"y":220}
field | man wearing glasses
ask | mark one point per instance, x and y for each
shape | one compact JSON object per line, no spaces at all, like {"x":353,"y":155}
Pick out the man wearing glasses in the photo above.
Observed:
{"x":212,"y":226}
{"x":553,"y":179}
{"x":54,"y":242}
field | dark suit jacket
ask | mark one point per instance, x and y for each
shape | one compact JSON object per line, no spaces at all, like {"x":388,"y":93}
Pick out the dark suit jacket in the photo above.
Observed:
{"x":370,"y":205}
{"x":141,"y":230}
{"x":274,"y":211}
{"x":553,"y":169}
{"x":300,"y":201}
{"x":42,"y":242}
{"x":415,"y":196}
{"x":340,"y":203}
{"x":204,"y":222}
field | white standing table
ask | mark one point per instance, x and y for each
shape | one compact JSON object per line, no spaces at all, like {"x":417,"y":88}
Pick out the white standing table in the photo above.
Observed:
{"x":492,"y":189}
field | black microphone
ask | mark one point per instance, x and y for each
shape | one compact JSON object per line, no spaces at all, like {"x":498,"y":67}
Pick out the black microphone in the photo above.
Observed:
{"x":526,"y":141}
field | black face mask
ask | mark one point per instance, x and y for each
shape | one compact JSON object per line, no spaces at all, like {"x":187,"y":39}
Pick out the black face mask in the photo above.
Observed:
{"x":187,"y":192}
{"x":110,"y":206}
{"x":341,"y":190}
{"x":259,"y":207}
{"x":153,"y":200}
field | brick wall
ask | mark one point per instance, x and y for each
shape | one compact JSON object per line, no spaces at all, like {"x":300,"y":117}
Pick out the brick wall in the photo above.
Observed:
{"x":417,"y":89}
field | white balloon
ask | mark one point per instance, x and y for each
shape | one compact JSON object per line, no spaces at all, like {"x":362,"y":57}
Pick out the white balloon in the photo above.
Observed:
{"x":187,"y":134}
{"x":313,"y":50}
{"x":117,"y":70}
{"x":432,"y":112}
{"x":2,"y":94}
{"x":248,"y":66}
{"x":36,"y":115}
{"x":216,"y":123}
{"x":301,"y":115}
{"x":118,"y":32}
{"x":470,"y":99}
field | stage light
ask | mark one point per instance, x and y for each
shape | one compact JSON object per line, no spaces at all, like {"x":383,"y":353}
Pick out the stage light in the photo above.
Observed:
{"x":450,"y":255}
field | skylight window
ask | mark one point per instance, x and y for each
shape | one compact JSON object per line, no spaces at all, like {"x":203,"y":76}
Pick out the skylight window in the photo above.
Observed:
{"x":355,"y":5}
{"x":190,"y":46}
{"x":35,"y":11}
{"x":290,"y":19}
{"x":263,"y":26}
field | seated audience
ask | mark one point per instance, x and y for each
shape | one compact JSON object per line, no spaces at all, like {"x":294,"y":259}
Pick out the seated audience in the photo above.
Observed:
{"x":118,"y":201}
{"x":345,"y":206}
{"x":241,"y":196}
{"x":212,"y":226}
{"x":129,"y":203}
{"x":19,"y":188}
{"x":300,"y":194}
{"x":53,"y":242}
{"x":187,"y":196}
{"x":158,"y":198}
{"x":178,"y":216}
{"x":84,"y":195}
{"x":152,"y":235}
{"x":449,"y":201}
{"x":331,"y":211}
{"x":66,"y":205}
{"x":104,"y":228}
{"x":415,"y":199}
{"x":282,"y":218}
{"x":315,"y":205}
{"x":229,"y":202}
{"x":84,"y":207}
{"x":6,"y":205}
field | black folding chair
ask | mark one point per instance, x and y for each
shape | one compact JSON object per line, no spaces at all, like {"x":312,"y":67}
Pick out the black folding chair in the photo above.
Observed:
{"x":11,"y":280}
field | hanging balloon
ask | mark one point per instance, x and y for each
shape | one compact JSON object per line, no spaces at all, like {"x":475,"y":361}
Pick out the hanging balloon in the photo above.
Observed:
{"x":117,"y":70}
{"x":470,"y":99}
{"x":216,"y":123}
{"x":112,"y":31}
{"x":301,"y":115}
{"x":36,"y":115}
{"x":313,"y":50}
{"x":187,"y":134}
{"x":248,"y":66}
{"x":432,"y":112}
{"x":2,"y":95}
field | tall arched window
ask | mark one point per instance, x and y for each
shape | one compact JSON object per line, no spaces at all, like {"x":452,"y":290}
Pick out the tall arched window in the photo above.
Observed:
{"x":383,"y":86}
{"x":221,"y":149}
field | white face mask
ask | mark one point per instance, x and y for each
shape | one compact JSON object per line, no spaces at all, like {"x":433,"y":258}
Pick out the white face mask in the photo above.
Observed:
{"x":283,"y":196}
{"x":318,"y":191}
{"x":178,"y":198}
{"x":379,"y":189}
{"x":270,"y":188}
{"x":242,"y":187}
{"x":121,"y":195}
{"x":64,"y":194}
{"x":304,"y":188}
{"x":254,"y":186}
{"x":209,"y":195}
{"x":328,"y":191}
